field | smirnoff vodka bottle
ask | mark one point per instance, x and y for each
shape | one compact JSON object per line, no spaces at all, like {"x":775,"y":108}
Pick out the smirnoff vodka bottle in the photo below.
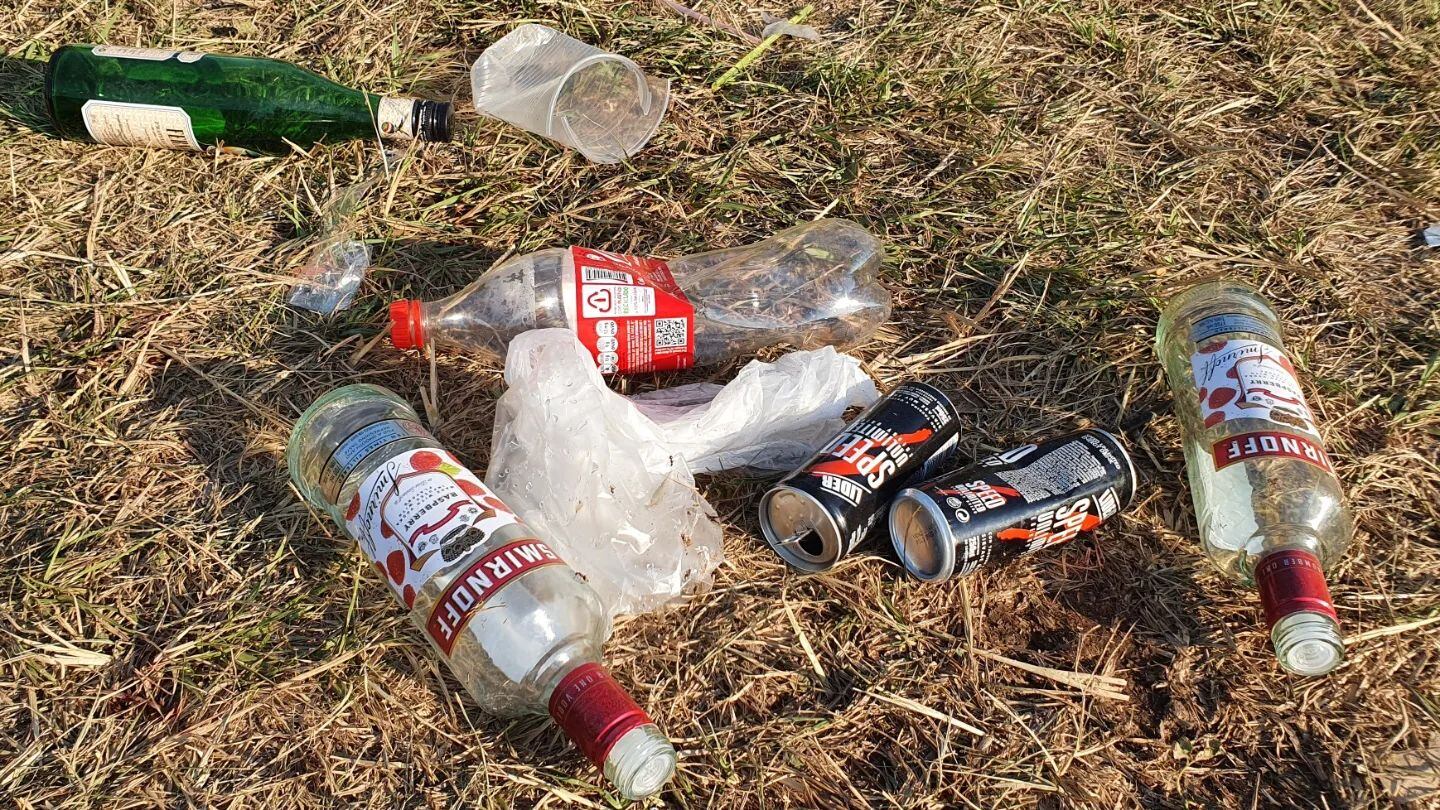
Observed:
{"x":517,"y":626}
{"x":1269,"y":506}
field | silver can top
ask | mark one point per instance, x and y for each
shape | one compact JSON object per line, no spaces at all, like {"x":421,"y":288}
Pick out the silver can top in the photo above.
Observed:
{"x":800,"y":530}
{"x":921,"y":536}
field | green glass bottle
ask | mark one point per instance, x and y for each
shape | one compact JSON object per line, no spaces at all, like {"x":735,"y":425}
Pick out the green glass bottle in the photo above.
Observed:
{"x":187,"y":100}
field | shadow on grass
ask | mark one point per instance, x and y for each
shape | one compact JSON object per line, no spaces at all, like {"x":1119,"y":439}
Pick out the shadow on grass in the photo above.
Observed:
{"x":22,"y":94}
{"x":430,"y":269}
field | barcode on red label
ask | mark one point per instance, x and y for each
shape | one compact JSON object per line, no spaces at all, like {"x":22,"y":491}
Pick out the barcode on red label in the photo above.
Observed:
{"x":597,"y":274}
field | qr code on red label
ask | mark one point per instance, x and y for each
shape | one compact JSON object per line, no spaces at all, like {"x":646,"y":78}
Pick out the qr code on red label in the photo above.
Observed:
{"x":670,"y":333}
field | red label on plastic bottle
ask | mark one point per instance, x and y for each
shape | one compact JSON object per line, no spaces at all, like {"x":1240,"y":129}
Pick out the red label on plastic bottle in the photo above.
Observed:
{"x":472,"y":589}
{"x":630,"y":313}
{"x":594,"y":711}
{"x":1269,"y":443}
{"x":1291,"y":581}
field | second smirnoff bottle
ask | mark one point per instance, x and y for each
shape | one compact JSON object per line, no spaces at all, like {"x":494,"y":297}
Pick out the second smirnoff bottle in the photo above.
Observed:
{"x":518,"y":627}
{"x":1270,"y":508}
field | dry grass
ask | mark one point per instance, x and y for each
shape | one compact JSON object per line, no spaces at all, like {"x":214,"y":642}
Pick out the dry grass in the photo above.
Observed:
{"x":177,"y":630}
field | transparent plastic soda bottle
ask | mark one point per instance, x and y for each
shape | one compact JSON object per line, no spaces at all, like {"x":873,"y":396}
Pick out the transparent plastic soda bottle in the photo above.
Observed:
{"x":1270,"y":508}
{"x":809,"y":286}
{"x":518,"y":627}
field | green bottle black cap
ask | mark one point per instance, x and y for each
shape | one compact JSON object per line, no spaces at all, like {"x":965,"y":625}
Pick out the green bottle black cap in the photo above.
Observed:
{"x":432,"y":120}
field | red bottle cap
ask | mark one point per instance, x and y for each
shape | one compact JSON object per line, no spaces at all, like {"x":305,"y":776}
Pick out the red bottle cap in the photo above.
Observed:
{"x":594,"y":711}
{"x":407,"y":331}
{"x":1291,"y":581}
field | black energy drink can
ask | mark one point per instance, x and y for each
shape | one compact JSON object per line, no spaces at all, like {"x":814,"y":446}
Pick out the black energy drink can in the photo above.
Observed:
{"x":822,"y":511}
{"x":1011,"y":504}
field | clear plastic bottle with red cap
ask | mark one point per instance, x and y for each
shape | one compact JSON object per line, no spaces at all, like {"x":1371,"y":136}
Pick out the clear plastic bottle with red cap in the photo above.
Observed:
{"x":809,"y":286}
{"x":1270,"y":507}
{"x":517,"y":626}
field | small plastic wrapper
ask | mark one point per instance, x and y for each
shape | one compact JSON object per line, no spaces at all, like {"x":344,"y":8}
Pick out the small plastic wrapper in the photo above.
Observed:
{"x":331,"y":276}
{"x":572,"y":93}
{"x":783,"y":27}
{"x":332,"y":273}
{"x":609,"y":480}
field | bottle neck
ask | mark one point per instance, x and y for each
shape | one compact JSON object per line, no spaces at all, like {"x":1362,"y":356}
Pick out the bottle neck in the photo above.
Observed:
{"x":402,"y":118}
{"x":407,"y":323}
{"x":1292,"y":580}
{"x":612,"y":730}
{"x":1304,"y":627}
{"x":594,"y":711}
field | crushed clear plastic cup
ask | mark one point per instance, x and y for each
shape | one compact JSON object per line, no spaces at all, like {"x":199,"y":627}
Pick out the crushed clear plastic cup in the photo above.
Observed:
{"x":575,"y":94}
{"x":609,"y":480}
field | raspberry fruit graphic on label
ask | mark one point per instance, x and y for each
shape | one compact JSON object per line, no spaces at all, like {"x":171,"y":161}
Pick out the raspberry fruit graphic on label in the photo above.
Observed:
{"x":395,"y":566}
{"x":418,"y":513}
{"x":425,"y":461}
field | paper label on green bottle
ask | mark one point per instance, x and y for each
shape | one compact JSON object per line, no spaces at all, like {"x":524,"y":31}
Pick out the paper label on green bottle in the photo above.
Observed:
{"x":396,"y":118}
{"x":147,"y":54}
{"x":120,"y":123}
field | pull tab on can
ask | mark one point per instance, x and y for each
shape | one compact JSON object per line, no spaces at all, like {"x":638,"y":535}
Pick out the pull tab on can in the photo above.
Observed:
{"x":822,"y":511}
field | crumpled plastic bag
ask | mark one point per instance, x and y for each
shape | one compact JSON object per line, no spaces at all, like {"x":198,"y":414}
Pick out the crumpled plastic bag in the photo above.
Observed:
{"x":772,"y":416}
{"x":607,"y":480}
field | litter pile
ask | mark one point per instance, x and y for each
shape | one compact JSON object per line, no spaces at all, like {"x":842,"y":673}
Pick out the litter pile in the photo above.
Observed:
{"x":590,"y":508}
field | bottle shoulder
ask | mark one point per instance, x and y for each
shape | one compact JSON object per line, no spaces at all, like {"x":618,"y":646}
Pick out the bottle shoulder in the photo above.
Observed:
{"x":1250,"y":316}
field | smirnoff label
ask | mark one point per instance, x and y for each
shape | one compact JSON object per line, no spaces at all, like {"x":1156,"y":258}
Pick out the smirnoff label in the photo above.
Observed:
{"x":1240,"y":378}
{"x":469,"y":591}
{"x":119,"y":123}
{"x":419,"y":512}
{"x":1249,"y":379}
{"x":1271,"y":444}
